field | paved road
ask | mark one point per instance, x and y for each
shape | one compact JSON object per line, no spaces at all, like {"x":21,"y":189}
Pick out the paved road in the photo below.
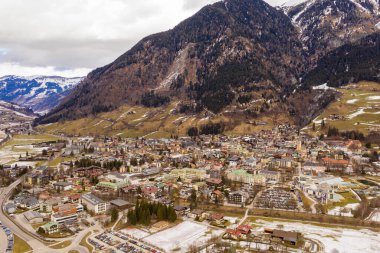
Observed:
{"x":33,"y":242}
{"x":3,"y":237}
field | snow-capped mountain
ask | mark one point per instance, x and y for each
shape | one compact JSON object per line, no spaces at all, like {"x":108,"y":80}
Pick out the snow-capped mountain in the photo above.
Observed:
{"x":40,"y":93}
{"x":327,"y":24}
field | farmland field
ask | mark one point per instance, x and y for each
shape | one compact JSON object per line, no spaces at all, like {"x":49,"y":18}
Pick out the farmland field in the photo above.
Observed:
{"x":358,"y":108}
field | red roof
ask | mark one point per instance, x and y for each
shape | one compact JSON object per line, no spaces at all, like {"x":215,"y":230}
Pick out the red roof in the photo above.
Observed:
{"x":245,"y":229}
{"x":334,"y":161}
{"x":233,"y":232}
{"x":74,"y":196}
{"x":216,"y":216}
{"x":150,"y":189}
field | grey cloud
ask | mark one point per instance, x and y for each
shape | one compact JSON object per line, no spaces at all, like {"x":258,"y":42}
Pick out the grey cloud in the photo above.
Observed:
{"x":82,"y":34}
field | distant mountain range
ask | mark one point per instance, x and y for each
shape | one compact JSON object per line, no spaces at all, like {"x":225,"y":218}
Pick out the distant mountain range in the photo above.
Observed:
{"x":240,"y":59}
{"x":40,"y":93}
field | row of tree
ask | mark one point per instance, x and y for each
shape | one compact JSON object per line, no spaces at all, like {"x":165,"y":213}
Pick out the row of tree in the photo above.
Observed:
{"x":207,"y":129}
{"x":144,"y":212}
{"x":353,"y":135}
{"x":86,"y":162}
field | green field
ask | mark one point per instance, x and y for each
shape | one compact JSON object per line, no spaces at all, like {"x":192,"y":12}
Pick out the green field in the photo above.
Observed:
{"x":139,"y":121}
{"x":20,"y":246}
{"x":61,"y":245}
{"x":20,"y":145}
{"x":358,"y":108}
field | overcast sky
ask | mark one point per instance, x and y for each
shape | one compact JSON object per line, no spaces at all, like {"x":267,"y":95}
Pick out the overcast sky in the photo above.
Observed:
{"x":72,"y":37}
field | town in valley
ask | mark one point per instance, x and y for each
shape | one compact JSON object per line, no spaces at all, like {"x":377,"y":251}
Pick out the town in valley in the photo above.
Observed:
{"x":236,"y":126}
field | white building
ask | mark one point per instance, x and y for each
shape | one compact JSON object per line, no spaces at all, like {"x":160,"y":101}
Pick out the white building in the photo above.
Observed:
{"x":94,"y":204}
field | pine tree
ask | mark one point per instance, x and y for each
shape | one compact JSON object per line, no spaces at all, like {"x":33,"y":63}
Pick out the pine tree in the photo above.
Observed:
{"x":165,"y":208}
{"x":114,"y":214}
{"x":160,"y":213}
{"x":172,"y":216}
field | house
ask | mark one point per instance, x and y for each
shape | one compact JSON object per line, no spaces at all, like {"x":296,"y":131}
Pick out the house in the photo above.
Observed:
{"x":216,"y":194}
{"x":66,"y":217}
{"x":29,"y":203}
{"x":151,"y":171}
{"x":50,"y":228}
{"x":36,"y":179}
{"x":63,"y":186}
{"x":116,"y":177}
{"x":74,"y":198}
{"x":251,"y":162}
{"x":316,"y":168}
{"x":244,"y":177}
{"x":72,"y":150}
{"x":110,"y":186}
{"x":120,"y":204}
{"x":47,"y":206}
{"x":214,"y":181}
{"x":33,"y":217}
{"x":335,"y":163}
{"x":272,"y":176}
{"x":181,"y":210}
{"x":232,"y":234}
{"x":215,"y":173}
{"x":286,"y":236}
{"x":92,"y":171}
{"x":196,"y":214}
{"x":282,"y":163}
{"x":240,"y":233}
{"x":244,"y":229}
{"x":234,"y":161}
{"x":94,"y":204}
{"x":10,"y":208}
{"x":218,"y":218}
{"x":186,"y":174}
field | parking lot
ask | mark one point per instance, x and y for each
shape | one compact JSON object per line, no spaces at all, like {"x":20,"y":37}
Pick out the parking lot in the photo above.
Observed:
{"x":9,"y":238}
{"x":120,"y":242}
{"x":276,"y":198}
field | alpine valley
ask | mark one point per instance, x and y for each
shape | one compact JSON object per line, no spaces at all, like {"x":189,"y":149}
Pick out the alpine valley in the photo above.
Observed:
{"x":236,"y":66}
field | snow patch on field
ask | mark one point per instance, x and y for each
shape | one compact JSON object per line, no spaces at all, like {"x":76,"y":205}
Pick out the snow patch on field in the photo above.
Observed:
{"x":136,"y":233}
{"x":344,"y":211}
{"x":183,"y":235}
{"x":352,"y":101}
{"x":370,"y":124}
{"x":373,"y":98}
{"x":357,"y":113}
{"x":375,"y":216}
{"x":203,"y":119}
{"x":142,"y":118}
{"x":341,"y":239}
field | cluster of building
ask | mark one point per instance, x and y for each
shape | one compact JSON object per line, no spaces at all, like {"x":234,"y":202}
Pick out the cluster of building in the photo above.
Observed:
{"x":97,"y":174}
